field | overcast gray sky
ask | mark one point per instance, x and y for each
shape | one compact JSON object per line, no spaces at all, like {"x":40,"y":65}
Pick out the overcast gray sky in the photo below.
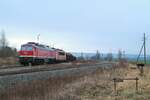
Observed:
{"x":77,"y":25}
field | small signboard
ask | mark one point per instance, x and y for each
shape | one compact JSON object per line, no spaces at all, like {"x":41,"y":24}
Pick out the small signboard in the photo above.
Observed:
{"x":118,"y":80}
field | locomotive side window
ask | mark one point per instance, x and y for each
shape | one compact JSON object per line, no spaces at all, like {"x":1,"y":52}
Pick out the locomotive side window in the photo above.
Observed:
{"x":27,"y":48}
{"x":61,"y":53}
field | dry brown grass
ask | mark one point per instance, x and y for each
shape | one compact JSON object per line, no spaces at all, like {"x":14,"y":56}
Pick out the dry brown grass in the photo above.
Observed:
{"x":8,"y":61}
{"x":96,"y":86}
{"x":38,"y":90}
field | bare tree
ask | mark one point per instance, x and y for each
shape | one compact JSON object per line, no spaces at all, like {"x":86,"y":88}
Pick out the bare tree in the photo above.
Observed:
{"x":109,"y":57}
{"x":119,"y":55}
{"x":3,"y":40}
{"x":5,"y":50}
{"x":121,"y":58}
{"x":97,"y":55}
{"x":81,"y":57}
{"x":87,"y":57}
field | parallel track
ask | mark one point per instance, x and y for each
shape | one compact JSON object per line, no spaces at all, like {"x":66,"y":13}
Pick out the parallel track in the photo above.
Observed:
{"x":46,"y":68}
{"x":10,"y":66}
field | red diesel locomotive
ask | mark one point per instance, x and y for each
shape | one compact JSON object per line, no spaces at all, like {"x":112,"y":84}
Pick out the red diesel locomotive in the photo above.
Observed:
{"x":35,"y":53}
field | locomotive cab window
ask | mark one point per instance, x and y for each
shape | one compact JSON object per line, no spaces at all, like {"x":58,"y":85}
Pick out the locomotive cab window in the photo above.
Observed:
{"x":29,"y":48}
{"x":23,"y":48}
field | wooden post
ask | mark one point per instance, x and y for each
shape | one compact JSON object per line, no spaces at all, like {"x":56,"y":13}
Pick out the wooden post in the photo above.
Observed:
{"x":137,"y":85}
{"x":142,"y":70}
{"x":115,"y":86}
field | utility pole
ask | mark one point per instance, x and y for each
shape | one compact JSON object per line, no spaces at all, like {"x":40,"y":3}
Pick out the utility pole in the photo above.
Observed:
{"x":144,"y":49}
{"x":141,"y":65}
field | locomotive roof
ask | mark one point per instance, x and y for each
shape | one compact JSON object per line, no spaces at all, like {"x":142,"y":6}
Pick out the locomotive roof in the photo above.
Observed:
{"x":43,"y":46}
{"x":38,"y":45}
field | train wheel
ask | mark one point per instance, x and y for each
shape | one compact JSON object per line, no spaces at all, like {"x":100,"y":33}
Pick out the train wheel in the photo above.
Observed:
{"x":24,"y":64}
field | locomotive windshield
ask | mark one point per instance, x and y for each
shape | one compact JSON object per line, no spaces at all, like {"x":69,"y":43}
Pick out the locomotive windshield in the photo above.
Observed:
{"x":27,"y":48}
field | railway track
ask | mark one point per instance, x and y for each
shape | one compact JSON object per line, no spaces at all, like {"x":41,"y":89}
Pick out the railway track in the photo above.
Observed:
{"x":15,"y":70}
{"x":10,"y":66}
{"x":21,"y":66}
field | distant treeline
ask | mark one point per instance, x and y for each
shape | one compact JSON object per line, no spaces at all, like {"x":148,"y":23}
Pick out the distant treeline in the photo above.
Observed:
{"x":5,"y":49}
{"x":101,"y":57}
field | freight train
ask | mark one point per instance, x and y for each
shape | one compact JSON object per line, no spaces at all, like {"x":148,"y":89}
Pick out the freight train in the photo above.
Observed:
{"x":35,"y":53}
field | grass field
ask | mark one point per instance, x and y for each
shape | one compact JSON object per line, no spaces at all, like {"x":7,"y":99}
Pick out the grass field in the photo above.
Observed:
{"x":134,"y":62}
{"x":96,"y":86}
